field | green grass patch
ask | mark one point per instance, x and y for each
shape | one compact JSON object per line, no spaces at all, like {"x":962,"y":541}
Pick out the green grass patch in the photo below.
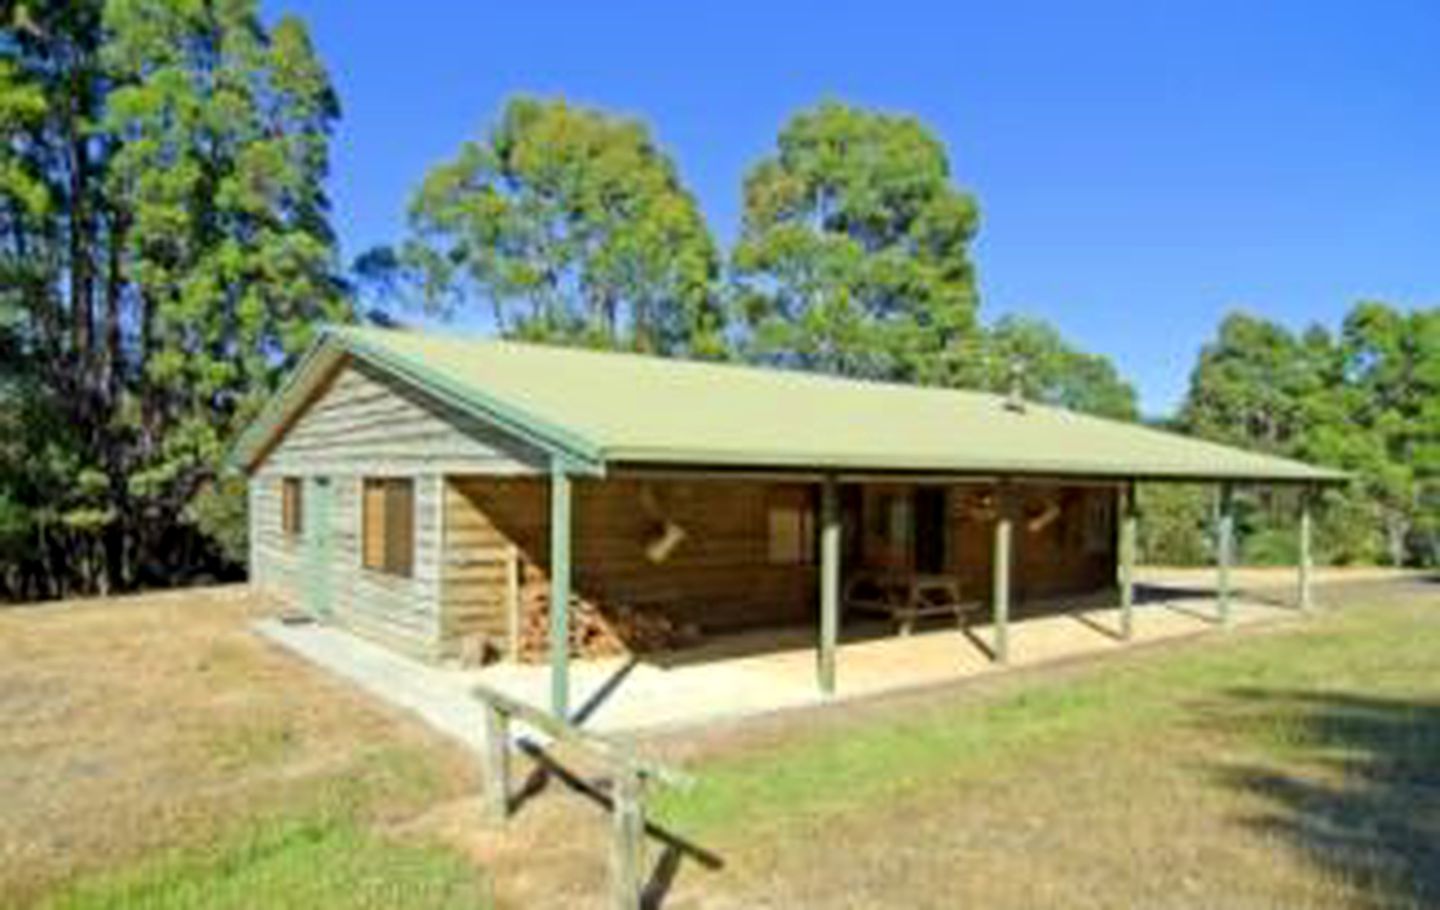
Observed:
{"x":1255,"y":684}
{"x":296,"y":864}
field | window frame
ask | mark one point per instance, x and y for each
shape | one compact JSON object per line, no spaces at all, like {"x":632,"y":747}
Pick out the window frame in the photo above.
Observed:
{"x":791,"y":504}
{"x":292,"y":507}
{"x":396,"y":496}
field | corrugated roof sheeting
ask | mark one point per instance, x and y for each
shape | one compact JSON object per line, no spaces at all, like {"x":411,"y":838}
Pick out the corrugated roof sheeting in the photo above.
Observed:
{"x":594,"y":408}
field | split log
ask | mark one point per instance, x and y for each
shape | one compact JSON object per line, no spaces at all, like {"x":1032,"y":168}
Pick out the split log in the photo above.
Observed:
{"x":615,"y":631}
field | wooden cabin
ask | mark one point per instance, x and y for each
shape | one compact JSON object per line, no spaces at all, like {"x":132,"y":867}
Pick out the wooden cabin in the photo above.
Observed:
{"x":481,"y":499}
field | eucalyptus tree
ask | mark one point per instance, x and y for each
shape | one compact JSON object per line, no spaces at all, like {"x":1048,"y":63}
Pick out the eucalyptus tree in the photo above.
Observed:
{"x":1363,"y":399}
{"x":1033,"y":354}
{"x":853,"y":256}
{"x":166,"y":250}
{"x":1389,"y":363}
{"x":570,"y":224}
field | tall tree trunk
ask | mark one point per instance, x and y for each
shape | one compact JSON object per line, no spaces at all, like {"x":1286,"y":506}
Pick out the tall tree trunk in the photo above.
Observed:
{"x":111,"y":385}
{"x":1396,"y":530}
{"x":114,"y":289}
{"x":81,"y":289}
{"x":644,"y":333}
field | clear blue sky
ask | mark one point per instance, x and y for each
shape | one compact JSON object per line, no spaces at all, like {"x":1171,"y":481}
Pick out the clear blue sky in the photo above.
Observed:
{"x":1141,"y":169}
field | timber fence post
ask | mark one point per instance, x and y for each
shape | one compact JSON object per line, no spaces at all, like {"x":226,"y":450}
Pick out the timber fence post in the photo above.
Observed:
{"x":627,"y":856}
{"x":497,"y":763}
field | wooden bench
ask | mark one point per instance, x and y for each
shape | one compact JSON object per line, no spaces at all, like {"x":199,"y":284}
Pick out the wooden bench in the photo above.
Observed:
{"x":906,"y":596}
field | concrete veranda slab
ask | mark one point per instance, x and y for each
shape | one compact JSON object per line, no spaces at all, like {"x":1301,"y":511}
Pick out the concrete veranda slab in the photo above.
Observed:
{"x":755,"y":672}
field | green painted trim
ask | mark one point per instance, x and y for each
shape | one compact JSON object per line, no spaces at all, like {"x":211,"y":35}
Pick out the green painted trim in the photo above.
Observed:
{"x":1225,"y":554}
{"x":318,"y":515}
{"x":580,"y":455}
{"x":829,"y":582}
{"x":1057,"y":469}
{"x":314,"y":365}
{"x":1128,"y":521}
{"x":559,"y":591}
{"x":1305,"y":595}
{"x":1000,"y":579}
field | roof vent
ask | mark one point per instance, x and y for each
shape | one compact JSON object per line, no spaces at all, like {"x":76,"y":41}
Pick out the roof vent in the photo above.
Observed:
{"x":1015,"y":398}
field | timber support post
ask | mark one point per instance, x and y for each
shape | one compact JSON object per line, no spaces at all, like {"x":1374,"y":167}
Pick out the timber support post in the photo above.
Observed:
{"x":1000,"y":575}
{"x":559,"y":591}
{"x":1129,"y":514}
{"x":512,"y":603}
{"x":829,"y":582}
{"x":1225,"y":554}
{"x":1304,"y":594}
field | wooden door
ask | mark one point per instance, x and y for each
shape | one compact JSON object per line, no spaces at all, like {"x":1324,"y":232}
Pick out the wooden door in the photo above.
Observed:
{"x":929,"y":538}
{"x":319,"y":547}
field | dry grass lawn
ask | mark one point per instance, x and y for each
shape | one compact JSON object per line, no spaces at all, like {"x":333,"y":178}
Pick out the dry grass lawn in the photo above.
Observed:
{"x":1293,"y":766}
{"x":1297,"y":766}
{"x":137,"y":726}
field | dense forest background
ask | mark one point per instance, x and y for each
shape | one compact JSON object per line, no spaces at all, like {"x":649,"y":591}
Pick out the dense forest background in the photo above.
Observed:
{"x":166,"y":254}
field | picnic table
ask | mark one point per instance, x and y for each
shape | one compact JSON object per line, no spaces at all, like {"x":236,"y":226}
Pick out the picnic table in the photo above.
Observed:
{"x":905,"y":596}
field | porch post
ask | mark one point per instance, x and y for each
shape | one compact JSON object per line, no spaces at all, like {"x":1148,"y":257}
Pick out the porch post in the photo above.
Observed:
{"x":1128,"y":519}
{"x":559,"y":591}
{"x":1225,"y":552}
{"x":829,"y":581}
{"x":1306,"y":604}
{"x":1000,"y":576}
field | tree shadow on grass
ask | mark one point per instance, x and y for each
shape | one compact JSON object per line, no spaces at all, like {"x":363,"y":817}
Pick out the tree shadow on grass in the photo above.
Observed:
{"x":1354,"y":785}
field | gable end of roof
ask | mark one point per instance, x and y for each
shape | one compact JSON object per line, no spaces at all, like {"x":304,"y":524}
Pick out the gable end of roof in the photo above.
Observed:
{"x":572,"y":451}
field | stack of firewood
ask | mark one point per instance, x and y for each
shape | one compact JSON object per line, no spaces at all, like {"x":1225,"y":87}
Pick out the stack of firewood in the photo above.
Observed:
{"x":618,"y":630}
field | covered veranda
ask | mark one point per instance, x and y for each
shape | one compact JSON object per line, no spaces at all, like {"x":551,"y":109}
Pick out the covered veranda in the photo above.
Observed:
{"x":758,"y":671}
{"x":776,"y":667}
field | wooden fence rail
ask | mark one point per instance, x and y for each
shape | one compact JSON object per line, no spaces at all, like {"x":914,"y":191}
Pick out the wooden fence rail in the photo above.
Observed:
{"x":629,"y":774}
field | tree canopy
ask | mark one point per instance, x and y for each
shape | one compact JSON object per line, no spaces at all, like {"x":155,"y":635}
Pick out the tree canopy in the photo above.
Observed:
{"x":1032,"y":353}
{"x":166,"y":252}
{"x":574,"y":226}
{"x":1363,"y":399}
{"x":854,"y":252}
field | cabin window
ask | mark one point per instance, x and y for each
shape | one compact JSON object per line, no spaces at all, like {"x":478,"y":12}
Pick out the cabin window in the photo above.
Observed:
{"x":790,"y":519}
{"x":388,"y":525}
{"x":292,"y":505}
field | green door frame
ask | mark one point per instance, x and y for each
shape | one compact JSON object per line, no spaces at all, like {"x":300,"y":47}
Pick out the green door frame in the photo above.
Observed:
{"x":319,"y":546}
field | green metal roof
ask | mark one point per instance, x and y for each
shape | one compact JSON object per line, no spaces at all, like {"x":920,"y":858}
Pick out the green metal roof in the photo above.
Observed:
{"x":596,"y":410}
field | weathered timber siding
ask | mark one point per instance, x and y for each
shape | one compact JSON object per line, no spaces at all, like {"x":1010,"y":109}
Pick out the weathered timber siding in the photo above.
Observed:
{"x":401,"y":612}
{"x":719,"y":578}
{"x":1064,"y":556}
{"x":365,"y":421}
{"x":362,"y":424}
